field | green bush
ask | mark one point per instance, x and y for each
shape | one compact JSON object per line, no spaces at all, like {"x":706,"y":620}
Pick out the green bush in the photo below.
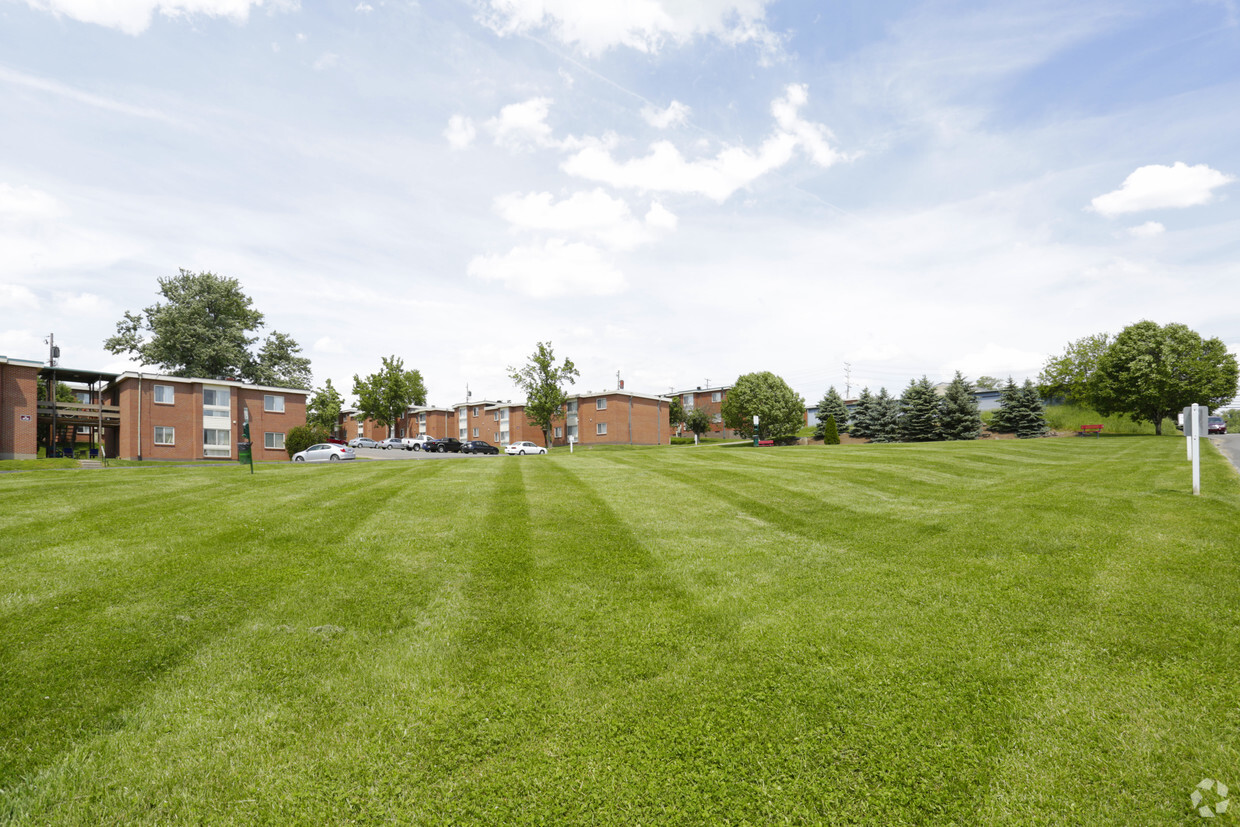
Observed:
{"x":830,"y":434}
{"x":302,"y":437}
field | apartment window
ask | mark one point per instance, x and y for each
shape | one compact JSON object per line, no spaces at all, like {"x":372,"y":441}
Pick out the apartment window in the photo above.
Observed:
{"x":687,"y":401}
{"x":215,"y":443}
{"x":572,"y":406}
{"x":601,"y":429}
{"x":475,"y":433}
{"x":503,"y":415}
{"x":218,"y":414}
{"x":463,"y":434}
{"x":717,"y":418}
{"x":600,"y":404}
{"x":273,"y":404}
{"x":572,"y":432}
{"x":215,"y":397}
{"x":165,"y":435}
{"x":475,"y":411}
{"x":273,"y":441}
{"x":502,"y":437}
{"x":421,"y":419}
{"x":82,"y":429}
{"x":497,"y":416}
{"x":559,"y":432}
{"x":717,"y":396}
{"x":164,"y":394}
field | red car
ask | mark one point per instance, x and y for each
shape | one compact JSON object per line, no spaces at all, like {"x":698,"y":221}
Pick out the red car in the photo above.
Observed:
{"x":1216,"y":425}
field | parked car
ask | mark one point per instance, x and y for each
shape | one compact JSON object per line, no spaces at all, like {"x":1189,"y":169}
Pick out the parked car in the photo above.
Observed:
{"x":478,"y":446}
{"x":521,"y":448}
{"x":391,"y":442}
{"x":334,"y":441}
{"x":418,"y":443}
{"x":362,"y":442}
{"x":444,"y":445}
{"x":1216,"y":425}
{"x":325,"y":452}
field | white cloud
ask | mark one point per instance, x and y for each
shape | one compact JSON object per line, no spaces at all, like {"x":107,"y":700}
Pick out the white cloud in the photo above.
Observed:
{"x":521,"y":126}
{"x":82,"y":304}
{"x":676,"y":113}
{"x":1147,"y":230}
{"x":134,"y":16}
{"x":364,"y":7}
{"x":660,"y":217}
{"x":1156,"y":187}
{"x":17,"y":297}
{"x":327,"y":344}
{"x":644,"y":25}
{"x":329,"y":60}
{"x":26,"y":203}
{"x":460,"y":132}
{"x":664,"y":169}
{"x":556,"y":268}
{"x":593,"y":214}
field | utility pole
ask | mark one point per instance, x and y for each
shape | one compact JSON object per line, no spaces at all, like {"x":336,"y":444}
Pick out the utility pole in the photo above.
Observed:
{"x":53,"y":353}
{"x":847,"y":380}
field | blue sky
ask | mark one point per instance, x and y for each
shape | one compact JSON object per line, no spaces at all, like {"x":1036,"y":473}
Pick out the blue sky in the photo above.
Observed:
{"x":679,"y":191}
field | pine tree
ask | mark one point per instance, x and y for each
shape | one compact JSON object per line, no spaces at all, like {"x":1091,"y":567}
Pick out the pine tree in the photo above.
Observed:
{"x":958,"y":412}
{"x":1029,"y":419}
{"x":832,"y":405}
{"x":831,"y":435}
{"x":1003,"y":421}
{"x":919,"y":412}
{"x":886,"y":419}
{"x":862,"y":416}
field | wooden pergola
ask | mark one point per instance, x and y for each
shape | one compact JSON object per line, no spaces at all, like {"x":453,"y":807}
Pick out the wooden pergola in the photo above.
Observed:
{"x":94,"y":414}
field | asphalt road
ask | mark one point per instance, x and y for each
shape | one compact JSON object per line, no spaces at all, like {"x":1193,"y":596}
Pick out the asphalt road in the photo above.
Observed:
{"x":1229,"y":444}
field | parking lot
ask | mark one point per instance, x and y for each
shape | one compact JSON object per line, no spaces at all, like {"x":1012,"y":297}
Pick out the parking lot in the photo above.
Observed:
{"x":396,"y":454}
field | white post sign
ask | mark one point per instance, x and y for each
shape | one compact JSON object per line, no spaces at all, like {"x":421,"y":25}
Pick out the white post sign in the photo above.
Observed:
{"x":1196,"y":418}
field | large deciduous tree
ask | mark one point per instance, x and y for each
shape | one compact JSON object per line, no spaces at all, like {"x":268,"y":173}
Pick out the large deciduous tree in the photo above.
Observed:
{"x":780,"y":409}
{"x":1069,"y":375}
{"x":543,"y":382}
{"x":1151,"y":372}
{"x":205,"y":328}
{"x":386,"y":395}
{"x":324,"y":407}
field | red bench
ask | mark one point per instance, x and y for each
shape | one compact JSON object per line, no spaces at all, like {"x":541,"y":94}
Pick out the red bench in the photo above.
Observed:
{"x":766,"y":443}
{"x":1086,"y":430}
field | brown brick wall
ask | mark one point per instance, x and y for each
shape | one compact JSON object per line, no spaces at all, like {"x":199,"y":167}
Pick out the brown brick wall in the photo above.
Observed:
{"x":19,"y":394}
{"x":647,"y":424}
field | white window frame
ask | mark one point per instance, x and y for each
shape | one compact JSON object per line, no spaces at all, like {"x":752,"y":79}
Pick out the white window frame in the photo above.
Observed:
{"x":273,"y":440}
{"x":161,"y":390}
{"x":600,"y":404}
{"x":600,"y":429}
{"x":169,"y":434}
{"x":717,"y":396}
{"x":269,"y":402}
{"x":559,"y":432}
{"x":475,"y":433}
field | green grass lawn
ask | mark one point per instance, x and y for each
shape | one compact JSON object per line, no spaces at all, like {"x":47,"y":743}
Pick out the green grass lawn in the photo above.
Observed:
{"x":997,"y":632}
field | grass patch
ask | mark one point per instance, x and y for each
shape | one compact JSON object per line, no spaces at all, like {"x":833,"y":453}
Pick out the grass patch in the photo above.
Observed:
{"x":1041,"y":631}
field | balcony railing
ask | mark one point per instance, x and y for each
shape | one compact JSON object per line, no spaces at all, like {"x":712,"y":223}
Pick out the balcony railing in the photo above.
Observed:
{"x":81,"y":413}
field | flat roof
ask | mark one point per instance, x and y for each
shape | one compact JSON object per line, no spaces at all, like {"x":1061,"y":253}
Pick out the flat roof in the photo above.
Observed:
{"x":85,"y":377}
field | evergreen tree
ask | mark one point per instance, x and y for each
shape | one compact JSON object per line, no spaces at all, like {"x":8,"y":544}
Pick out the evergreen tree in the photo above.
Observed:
{"x":886,"y":422}
{"x":1003,"y":421}
{"x":919,"y":412}
{"x":958,"y":412}
{"x":832,"y":406}
{"x":831,"y":435}
{"x":862,"y":416}
{"x":1029,"y":419}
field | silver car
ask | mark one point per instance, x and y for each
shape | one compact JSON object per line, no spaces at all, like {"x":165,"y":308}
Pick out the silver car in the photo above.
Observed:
{"x":325,"y":452}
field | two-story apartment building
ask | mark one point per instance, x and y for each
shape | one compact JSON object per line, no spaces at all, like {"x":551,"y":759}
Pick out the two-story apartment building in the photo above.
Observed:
{"x":139,"y":415}
{"x":710,"y":400}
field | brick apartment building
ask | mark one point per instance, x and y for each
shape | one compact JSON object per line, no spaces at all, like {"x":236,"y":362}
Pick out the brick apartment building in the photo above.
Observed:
{"x":145,"y":416}
{"x":710,"y":400}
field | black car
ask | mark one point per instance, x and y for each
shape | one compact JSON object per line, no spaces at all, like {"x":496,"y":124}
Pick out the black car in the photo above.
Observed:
{"x":444,"y":445}
{"x":478,"y":446}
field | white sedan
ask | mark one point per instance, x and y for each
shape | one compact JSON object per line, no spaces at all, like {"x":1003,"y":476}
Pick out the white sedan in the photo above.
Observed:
{"x":524,"y":448}
{"x":325,"y":452}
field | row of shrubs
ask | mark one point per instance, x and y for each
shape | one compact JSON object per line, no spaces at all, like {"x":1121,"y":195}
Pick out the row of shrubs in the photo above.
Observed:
{"x":921,"y":415}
